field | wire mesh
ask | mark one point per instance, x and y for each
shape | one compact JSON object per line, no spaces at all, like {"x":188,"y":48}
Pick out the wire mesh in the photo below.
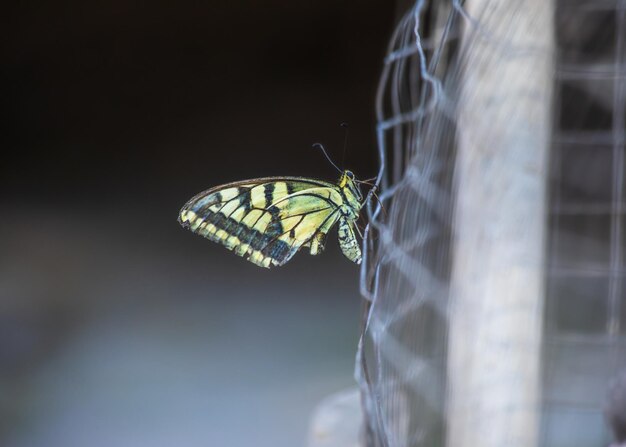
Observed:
{"x":584,"y":332}
{"x":406,"y":277}
{"x":407,"y":246}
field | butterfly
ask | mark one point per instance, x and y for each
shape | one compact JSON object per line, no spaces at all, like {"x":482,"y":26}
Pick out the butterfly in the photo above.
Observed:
{"x":267,"y":220}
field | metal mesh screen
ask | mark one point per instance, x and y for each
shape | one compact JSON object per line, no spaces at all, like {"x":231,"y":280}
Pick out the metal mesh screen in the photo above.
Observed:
{"x":585,"y":310}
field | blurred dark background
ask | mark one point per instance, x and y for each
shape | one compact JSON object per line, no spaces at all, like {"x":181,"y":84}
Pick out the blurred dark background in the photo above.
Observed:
{"x":118,"y":327}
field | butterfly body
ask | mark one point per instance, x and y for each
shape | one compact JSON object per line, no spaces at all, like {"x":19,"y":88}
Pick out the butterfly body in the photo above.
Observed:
{"x":268,"y":220}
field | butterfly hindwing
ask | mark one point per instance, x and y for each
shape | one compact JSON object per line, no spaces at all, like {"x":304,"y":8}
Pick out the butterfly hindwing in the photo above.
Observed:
{"x":265,"y":220}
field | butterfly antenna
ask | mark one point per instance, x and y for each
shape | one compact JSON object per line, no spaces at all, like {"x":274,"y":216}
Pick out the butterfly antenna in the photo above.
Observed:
{"x":345,"y":143}
{"x":327,"y":157}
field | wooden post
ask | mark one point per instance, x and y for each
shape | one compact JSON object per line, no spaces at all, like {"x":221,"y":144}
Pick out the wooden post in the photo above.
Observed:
{"x":500,"y":224}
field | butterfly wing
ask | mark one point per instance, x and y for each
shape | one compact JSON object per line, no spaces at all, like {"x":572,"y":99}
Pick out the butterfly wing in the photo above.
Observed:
{"x":265,"y":220}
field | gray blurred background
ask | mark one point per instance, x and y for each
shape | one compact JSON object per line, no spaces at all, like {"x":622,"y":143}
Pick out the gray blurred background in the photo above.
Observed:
{"x":117,"y":327}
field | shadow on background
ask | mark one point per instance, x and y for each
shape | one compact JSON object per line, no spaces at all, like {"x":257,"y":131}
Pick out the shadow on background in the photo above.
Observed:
{"x":117,"y":327}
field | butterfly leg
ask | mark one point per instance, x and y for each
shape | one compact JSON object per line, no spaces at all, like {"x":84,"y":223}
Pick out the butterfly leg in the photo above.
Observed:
{"x":317,"y":242}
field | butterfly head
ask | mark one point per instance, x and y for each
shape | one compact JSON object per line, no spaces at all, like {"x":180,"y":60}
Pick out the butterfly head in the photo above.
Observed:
{"x":349,"y":183}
